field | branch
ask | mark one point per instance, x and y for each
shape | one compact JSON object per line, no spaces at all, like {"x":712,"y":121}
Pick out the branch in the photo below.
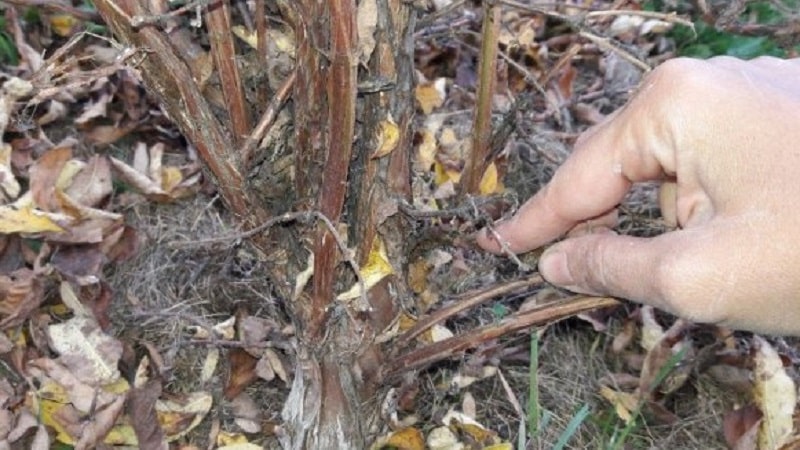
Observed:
{"x":218,"y":18}
{"x":169,"y":78}
{"x":547,"y":313}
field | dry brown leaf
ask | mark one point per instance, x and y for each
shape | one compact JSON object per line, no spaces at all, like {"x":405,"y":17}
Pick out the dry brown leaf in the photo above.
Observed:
{"x":94,"y":431}
{"x":255,"y":330}
{"x":242,"y":372}
{"x":180,"y":414}
{"x":92,"y":185}
{"x":740,"y":427}
{"x":108,"y":134}
{"x":775,"y":394}
{"x":20,"y":294}
{"x":431,"y":94}
{"x":43,"y":175}
{"x":88,"y":352}
{"x":246,"y":413}
{"x":277,"y":364}
{"x":367,"y":22}
{"x":81,"y":264}
{"x":142,"y":411}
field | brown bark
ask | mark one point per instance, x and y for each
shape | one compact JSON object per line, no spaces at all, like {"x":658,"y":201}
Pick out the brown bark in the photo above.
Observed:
{"x":223,"y":50}
{"x":169,"y":78}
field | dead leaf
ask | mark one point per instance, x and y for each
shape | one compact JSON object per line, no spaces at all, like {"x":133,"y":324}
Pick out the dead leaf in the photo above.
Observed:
{"x":88,"y":352}
{"x":376,"y":268}
{"x":431,"y":94}
{"x":64,"y":25}
{"x":246,"y":413}
{"x":92,"y":185}
{"x":82,"y":264}
{"x":94,"y":431}
{"x":180,"y":414}
{"x":774,"y":393}
{"x":142,"y":411}
{"x":405,"y":439}
{"x":43,"y":176}
{"x":21,"y":292}
{"x":740,"y":427}
{"x":490,"y":183}
{"x":388,"y":137}
{"x":9,"y":186}
{"x":367,"y":23}
{"x":242,"y":372}
{"x":625,"y":404}
{"x":26,"y":220}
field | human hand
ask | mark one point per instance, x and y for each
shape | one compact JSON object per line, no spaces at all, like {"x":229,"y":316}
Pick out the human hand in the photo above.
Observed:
{"x":723,"y":136}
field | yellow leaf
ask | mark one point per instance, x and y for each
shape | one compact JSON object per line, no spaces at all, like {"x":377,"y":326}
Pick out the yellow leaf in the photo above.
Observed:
{"x":501,"y":446}
{"x":624,"y":403}
{"x":388,"y":137}
{"x":430,"y":95}
{"x":25,"y":220}
{"x":406,"y":439}
{"x":68,"y":172}
{"x":178,"y":417}
{"x":170,"y":177}
{"x":489,"y":183}
{"x":443,"y":175}
{"x":228,"y":438}
{"x":406,"y":322}
{"x":63,"y":25}
{"x":249,"y":37}
{"x":283,"y":42}
{"x":426,"y":152}
{"x":375,"y":270}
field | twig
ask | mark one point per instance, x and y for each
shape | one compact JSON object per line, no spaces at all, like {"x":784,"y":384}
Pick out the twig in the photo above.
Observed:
{"x":671,"y":17}
{"x":267,"y":119}
{"x":608,"y":44}
{"x":142,"y":20}
{"x":546,"y":313}
{"x":482,"y":124}
{"x":299,"y":216}
{"x":507,"y":250}
{"x":465,"y":212}
{"x":463,"y":303}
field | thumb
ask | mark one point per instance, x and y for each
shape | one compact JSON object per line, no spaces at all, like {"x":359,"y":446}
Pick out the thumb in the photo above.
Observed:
{"x":607,"y":264}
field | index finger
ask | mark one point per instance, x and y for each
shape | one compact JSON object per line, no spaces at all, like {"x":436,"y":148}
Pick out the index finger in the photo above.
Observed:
{"x":605,"y":162}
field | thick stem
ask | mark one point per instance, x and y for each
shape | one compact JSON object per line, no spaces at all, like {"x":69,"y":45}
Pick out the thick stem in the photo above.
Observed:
{"x":223,"y":50}
{"x":482,"y":126}
{"x":169,"y":78}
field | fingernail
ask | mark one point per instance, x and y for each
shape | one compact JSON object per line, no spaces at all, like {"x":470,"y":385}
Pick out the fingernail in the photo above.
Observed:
{"x":554,"y":268}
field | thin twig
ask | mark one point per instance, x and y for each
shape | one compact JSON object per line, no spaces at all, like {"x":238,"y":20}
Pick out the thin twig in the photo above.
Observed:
{"x":267,"y":119}
{"x":608,"y":44}
{"x":299,"y":216}
{"x":670,"y":17}
{"x":142,"y":20}
{"x":507,"y":250}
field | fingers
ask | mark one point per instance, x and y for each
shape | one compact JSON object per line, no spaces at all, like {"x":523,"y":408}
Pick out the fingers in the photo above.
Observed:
{"x":634,"y":144}
{"x":710,"y":274}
